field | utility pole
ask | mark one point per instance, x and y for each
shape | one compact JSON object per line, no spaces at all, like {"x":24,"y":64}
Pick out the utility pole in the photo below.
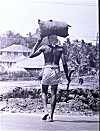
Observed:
{"x":97,"y":40}
{"x":97,"y":48}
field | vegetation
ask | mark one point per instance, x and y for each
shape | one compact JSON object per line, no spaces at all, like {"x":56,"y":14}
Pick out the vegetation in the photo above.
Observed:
{"x":85,"y":101}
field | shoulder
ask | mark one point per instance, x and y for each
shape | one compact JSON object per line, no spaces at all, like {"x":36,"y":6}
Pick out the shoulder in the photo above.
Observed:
{"x":60,"y":47}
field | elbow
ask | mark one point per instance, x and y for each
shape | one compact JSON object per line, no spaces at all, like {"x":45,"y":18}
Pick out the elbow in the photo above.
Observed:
{"x":31,"y":56}
{"x":64,"y":63}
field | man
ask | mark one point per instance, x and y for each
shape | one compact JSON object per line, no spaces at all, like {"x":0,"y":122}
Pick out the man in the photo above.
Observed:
{"x":51,"y":72}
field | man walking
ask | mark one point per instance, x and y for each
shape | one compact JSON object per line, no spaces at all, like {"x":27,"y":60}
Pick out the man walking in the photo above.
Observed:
{"x":51,"y":71}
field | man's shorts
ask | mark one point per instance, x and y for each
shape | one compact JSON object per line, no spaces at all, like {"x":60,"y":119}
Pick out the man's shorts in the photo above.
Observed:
{"x":51,"y":75}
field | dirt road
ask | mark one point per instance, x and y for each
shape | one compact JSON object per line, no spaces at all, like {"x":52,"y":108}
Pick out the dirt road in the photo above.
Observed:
{"x":33,"y":122}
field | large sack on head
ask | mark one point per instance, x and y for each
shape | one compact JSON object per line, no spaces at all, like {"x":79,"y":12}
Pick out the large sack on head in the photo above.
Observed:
{"x":51,"y":27}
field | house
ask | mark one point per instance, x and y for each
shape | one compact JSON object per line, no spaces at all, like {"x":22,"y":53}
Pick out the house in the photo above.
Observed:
{"x":16,"y":56}
{"x":12,"y":54}
{"x":32,"y":65}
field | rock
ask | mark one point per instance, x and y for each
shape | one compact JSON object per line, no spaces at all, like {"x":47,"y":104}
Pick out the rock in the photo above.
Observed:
{"x":71,"y":96}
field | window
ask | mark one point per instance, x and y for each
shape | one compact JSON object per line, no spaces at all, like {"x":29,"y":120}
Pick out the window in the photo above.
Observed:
{"x":28,"y":53}
{"x":15,"y":53}
{"x":8,"y":53}
{"x":25,"y":53}
{"x":1,"y":53}
{"x":10,"y":63}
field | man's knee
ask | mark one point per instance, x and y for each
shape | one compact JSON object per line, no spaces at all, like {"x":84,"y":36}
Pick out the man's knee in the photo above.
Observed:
{"x":44,"y":89}
{"x":54,"y":89}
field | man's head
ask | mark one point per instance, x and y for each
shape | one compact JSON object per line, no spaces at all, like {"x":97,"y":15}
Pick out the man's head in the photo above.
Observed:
{"x":52,"y":39}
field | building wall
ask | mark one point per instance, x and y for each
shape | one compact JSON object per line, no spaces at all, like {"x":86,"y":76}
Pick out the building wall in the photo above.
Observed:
{"x":10,"y":63}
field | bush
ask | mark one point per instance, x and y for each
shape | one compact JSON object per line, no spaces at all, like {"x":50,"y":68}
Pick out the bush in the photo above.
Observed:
{"x":78,"y":99}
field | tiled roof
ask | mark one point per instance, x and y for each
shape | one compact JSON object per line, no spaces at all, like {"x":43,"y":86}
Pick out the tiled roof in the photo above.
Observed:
{"x":16,"y":48}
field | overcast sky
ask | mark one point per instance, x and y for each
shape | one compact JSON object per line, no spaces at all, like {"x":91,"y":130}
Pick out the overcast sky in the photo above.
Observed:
{"x":21,"y":16}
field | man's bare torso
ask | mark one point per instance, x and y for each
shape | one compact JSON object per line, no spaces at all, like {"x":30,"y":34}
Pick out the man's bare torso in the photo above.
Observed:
{"x":52,"y":55}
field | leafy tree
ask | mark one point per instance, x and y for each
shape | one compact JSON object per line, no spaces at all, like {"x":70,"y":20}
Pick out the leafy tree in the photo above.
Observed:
{"x":30,"y":40}
{"x":81,"y":56}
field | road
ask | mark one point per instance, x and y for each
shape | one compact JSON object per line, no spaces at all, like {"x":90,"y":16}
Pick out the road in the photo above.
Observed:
{"x":33,"y":122}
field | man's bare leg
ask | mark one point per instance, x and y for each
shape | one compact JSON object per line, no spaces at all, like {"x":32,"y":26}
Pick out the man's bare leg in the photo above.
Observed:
{"x":44,"y":98}
{"x":53,"y":100}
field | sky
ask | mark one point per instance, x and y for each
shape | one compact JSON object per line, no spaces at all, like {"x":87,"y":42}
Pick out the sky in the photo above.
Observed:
{"x":21,"y":16}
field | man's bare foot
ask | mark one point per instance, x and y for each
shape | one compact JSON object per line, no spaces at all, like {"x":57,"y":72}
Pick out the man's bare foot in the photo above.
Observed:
{"x":49,"y":119}
{"x":45,"y":117}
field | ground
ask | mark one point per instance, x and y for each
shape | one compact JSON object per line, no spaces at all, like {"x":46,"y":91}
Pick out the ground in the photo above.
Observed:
{"x":30,"y":103}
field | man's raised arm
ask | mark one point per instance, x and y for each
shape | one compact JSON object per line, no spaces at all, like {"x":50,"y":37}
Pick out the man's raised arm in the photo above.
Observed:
{"x":36,"y":53}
